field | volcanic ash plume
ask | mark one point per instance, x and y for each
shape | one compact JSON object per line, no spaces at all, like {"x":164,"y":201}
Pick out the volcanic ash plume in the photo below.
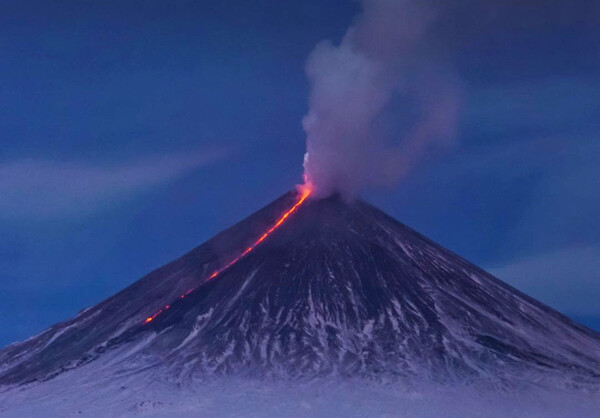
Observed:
{"x":385,"y":69}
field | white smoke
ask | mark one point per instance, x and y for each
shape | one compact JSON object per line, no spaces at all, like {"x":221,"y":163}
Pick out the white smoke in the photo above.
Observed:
{"x":385,"y":65}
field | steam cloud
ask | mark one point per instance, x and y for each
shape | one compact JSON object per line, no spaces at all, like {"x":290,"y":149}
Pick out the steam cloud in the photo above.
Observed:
{"x":385,"y":71}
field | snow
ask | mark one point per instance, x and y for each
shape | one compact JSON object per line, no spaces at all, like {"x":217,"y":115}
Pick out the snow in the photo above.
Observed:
{"x":128,"y":396}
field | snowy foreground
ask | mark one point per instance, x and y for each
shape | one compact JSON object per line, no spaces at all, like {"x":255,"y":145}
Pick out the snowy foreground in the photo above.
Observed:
{"x":78,"y":393}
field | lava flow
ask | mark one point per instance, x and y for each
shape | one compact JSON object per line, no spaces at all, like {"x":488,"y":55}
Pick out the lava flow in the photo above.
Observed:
{"x":303,"y":194}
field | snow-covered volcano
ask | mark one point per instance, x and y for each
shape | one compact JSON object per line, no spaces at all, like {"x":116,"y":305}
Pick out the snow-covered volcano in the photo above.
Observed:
{"x":339,"y":289}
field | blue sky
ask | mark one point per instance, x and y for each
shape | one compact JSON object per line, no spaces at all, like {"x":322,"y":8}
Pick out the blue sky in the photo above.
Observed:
{"x":134,"y":131}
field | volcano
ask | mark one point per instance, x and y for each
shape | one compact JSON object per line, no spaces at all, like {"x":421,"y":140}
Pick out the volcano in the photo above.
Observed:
{"x":336,"y":289}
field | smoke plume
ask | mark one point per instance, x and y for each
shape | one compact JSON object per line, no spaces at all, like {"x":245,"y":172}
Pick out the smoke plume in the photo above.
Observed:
{"x":379,"y":100}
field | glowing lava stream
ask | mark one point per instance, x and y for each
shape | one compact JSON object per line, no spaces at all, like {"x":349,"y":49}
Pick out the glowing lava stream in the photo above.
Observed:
{"x":303,"y":194}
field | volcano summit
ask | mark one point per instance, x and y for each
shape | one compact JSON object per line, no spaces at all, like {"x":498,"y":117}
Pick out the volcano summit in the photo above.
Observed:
{"x":336,"y":290}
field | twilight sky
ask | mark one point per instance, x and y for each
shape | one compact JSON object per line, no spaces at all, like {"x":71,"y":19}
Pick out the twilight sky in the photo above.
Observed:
{"x":134,"y":131}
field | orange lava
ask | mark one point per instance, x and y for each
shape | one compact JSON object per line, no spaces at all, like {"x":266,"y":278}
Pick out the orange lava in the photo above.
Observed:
{"x":304,"y":192}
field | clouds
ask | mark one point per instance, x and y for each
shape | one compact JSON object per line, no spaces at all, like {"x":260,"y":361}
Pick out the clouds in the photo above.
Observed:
{"x":42,"y":189}
{"x":542,"y":134}
{"x":567,"y":280}
{"x":545,"y":142}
